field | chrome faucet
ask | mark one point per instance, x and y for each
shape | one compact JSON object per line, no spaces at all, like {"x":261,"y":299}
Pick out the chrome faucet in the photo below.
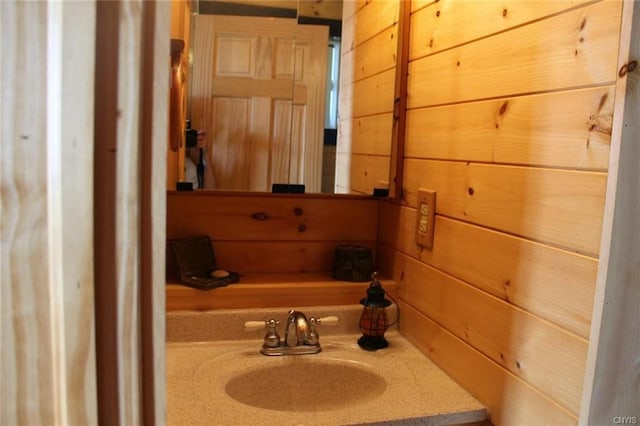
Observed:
{"x":300,"y":335}
{"x":297,"y":331}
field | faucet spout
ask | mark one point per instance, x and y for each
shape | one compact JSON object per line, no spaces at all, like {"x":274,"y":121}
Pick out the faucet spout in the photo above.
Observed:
{"x":297,"y":331}
{"x":300,"y":335}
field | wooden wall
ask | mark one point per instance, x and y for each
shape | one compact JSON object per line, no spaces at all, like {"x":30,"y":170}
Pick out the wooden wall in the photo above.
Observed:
{"x":83,"y":154}
{"x":367,"y":87}
{"x":281,"y":245}
{"x":257,"y":233}
{"x":612,"y":389}
{"x":47,"y":371}
{"x":130,"y":139}
{"x":510,"y":109}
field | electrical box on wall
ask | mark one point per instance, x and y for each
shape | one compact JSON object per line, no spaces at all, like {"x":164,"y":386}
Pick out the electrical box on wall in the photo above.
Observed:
{"x":426,"y":215}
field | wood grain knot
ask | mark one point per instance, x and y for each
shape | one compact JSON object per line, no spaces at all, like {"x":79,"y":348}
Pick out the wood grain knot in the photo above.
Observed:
{"x":627,"y":68}
{"x":259,"y":216}
{"x":471,"y":191}
{"x":503,"y":108}
{"x":302,"y":227}
{"x":297,"y":211}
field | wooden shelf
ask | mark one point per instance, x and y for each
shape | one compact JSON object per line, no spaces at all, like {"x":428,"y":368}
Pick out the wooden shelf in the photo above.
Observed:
{"x":272,"y":290}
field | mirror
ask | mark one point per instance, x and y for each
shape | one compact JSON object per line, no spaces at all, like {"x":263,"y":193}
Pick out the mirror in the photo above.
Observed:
{"x":260,"y":86}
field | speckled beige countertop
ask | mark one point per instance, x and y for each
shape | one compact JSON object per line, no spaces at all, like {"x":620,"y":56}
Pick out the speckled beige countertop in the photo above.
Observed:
{"x":202,"y":359}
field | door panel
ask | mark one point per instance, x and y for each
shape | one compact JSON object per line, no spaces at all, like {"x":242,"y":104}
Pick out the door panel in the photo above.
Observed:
{"x":256,"y":62}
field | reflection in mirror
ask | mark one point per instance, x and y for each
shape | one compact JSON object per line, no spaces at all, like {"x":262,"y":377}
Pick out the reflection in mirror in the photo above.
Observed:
{"x":261,"y":100}
{"x":260,"y":130}
{"x":241,"y":94}
{"x":367,"y":92}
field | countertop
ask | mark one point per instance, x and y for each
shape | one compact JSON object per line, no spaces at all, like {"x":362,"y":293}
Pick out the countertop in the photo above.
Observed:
{"x":416,"y":391}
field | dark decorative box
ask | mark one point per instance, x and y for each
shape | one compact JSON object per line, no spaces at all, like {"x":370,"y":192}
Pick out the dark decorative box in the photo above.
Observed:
{"x":195,"y":260}
{"x":352,"y":263}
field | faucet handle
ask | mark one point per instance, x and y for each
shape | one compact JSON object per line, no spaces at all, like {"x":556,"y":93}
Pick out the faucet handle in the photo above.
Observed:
{"x":271,"y":339}
{"x":330,"y":320}
{"x":254,"y":325}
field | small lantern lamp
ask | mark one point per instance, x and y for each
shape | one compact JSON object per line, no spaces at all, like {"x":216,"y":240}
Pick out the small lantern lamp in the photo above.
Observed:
{"x":373,"y":321}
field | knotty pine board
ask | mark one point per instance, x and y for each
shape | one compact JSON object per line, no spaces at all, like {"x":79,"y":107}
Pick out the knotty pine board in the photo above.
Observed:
{"x":569,"y":129}
{"x":553,"y":284}
{"x":448,"y":23}
{"x":574,"y":49}
{"x":509,"y":399}
{"x":559,"y":207}
{"x":547,"y":357}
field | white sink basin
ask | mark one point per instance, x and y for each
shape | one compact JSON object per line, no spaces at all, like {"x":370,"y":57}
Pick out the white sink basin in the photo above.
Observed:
{"x":305,"y":383}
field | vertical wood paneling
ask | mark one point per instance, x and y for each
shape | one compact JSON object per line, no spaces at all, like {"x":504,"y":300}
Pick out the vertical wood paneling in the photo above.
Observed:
{"x":117,"y":280}
{"x":128,"y":110}
{"x":29,"y":382}
{"x":613,"y":367}
{"x":153,"y":146}
{"x":47,"y":364}
{"x":77,"y":121}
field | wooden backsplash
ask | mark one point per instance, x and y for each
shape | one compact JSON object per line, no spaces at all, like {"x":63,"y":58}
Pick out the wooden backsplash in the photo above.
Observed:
{"x":262,"y":232}
{"x":510,"y":106}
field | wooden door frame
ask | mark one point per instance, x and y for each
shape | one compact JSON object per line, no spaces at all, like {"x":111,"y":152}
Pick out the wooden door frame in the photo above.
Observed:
{"x":131,"y":115}
{"x":49,"y":258}
{"x":610,"y":393}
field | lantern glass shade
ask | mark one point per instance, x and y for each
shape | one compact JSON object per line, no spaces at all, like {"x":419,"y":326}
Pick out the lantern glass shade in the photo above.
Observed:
{"x":373,"y":324}
{"x":373,"y":321}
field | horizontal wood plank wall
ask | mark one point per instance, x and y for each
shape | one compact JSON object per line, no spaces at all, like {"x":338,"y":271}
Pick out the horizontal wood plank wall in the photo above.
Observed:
{"x":273,"y":237}
{"x":367,"y":84}
{"x":510,"y":110}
